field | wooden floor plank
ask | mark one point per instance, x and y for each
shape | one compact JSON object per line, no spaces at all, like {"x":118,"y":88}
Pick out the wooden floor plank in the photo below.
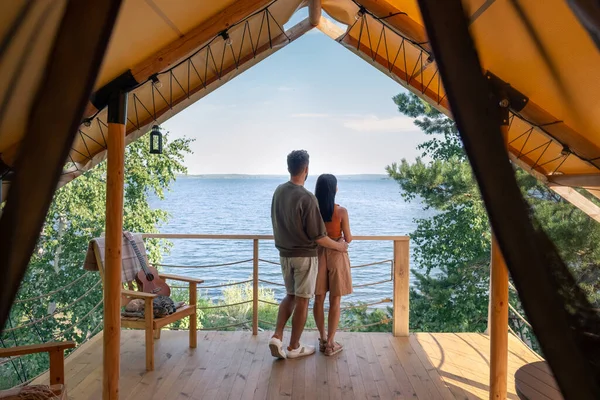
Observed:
{"x":262,"y":386}
{"x":217,"y":357}
{"x":298,"y":391}
{"x":310,"y":377}
{"x":431,"y":370}
{"x":236,"y":365}
{"x":343,"y":369}
{"x":417,"y":374}
{"x":358,"y":388}
{"x":381,"y":349}
{"x":382,"y":387}
{"x":368,"y":379}
{"x":208,"y":343}
{"x":333,"y":377}
{"x":400,"y":374}
{"x":247,"y":376}
{"x":322,"y":386}
{"x":235,"y":362}
{"x":220,"y":372}
{"x":452,"y":375}
{"x":152,"y":380}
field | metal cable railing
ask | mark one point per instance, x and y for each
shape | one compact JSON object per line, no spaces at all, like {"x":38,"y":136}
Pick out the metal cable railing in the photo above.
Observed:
{"x":372,"y":283}
{"x":257,"y":282}
{"x":205,"y":266}
{"x":54,"y":291}
{"x":270,"y":282}
{"x":374,"y":263}
{"x":57,"y":311}
{"x":216,"y":328}
{"x":225,"y":305}
{"x":214,"y":286}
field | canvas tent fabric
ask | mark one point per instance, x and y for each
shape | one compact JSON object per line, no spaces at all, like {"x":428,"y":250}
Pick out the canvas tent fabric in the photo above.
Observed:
{"x":555,"y":135}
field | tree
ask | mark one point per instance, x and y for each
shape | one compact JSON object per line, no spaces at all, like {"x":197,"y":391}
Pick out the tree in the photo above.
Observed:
{"x":76,"y":215}
{"x":452,"y":248}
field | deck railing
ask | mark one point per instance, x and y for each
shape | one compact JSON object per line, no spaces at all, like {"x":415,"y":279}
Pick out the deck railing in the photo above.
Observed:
{"x":399,"y":276}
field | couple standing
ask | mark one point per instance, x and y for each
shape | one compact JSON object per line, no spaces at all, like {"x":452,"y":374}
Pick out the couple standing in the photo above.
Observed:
{"x":312,"y":235}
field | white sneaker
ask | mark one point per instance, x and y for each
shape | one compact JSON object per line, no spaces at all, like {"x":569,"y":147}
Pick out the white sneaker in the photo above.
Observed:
{"x":276,"y":347}
{"x":302,"y":351}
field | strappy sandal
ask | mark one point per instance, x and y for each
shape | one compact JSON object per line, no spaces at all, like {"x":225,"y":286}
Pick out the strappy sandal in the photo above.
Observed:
{"x":334,"y":349}
{"x":322,"y":345}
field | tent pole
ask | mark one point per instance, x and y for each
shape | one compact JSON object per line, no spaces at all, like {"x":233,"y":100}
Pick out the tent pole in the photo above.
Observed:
{"x":498,"y":318}
{"x":117,"y":118}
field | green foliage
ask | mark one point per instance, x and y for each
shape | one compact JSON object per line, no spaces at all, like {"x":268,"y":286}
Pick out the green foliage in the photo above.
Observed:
{"x":77,"y":214}
{"x":452,"y":249}
{"x":365,"y":320}
{"x":213,"y":315}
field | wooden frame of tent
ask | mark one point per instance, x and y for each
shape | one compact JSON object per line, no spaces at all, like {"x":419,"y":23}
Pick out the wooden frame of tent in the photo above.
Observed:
{"x":561,"y":145}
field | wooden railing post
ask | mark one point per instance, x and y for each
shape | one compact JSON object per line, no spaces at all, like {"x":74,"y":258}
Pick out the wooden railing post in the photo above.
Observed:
{"x":401,"y":283}
{"x":255,"y":288}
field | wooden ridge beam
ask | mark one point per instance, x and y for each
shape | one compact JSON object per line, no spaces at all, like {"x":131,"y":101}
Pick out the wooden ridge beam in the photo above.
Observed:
{"x":314,"y":12}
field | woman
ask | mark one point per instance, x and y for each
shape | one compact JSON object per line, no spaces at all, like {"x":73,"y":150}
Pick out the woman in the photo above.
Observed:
{"x":334,"y":267}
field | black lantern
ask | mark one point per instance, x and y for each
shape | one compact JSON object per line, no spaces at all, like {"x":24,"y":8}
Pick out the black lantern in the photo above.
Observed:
{"x":155,"y":140}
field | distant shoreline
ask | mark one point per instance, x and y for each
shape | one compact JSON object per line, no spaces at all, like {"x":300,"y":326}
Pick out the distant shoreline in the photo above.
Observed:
{"x":250,"y":176}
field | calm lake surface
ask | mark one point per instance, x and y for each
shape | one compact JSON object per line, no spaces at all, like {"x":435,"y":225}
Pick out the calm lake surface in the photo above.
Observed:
{"x":241,"y":205}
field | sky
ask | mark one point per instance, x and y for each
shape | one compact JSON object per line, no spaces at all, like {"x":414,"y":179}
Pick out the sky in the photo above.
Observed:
{"x":313,"y":94}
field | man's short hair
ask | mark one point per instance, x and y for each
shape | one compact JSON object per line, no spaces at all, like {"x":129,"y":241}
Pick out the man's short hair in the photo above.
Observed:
{"x":297,"y":161}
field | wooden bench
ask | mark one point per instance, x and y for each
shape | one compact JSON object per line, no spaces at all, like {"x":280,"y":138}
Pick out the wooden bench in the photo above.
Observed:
{"x":56,"y":351}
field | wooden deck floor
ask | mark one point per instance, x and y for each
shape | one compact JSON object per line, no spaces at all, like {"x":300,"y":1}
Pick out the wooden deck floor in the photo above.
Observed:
{"x":236,"y":365}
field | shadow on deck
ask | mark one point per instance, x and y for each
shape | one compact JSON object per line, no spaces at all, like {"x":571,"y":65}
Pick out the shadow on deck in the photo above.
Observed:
{"x":236,"y":365}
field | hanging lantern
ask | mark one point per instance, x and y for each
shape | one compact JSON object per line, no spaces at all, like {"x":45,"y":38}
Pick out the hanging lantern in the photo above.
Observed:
{"x":155,"y":140}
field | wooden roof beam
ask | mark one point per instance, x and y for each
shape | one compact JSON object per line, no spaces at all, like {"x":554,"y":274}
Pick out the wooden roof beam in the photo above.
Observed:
{"x":578,"y":200}
{"x":576,"y":180}
{"x":548,"y":124}
{"x":398,"y":21}
{"x":228,"y":73}
{"x":182,"y":47}
{"x":397,"y":73}
{"x":336,"y":33}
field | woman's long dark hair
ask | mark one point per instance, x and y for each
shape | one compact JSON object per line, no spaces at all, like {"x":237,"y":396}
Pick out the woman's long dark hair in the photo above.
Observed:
{"x":325,"y":193}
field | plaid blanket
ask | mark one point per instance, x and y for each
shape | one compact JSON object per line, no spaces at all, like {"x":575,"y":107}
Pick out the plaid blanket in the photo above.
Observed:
{"x":131,"y":264}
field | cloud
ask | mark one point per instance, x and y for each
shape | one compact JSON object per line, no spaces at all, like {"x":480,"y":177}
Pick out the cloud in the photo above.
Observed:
{"x":310,"y":115}
{"x":372,"y":123}
{"x":285,"y":88}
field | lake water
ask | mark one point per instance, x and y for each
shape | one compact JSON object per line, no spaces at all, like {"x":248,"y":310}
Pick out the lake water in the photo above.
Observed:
{"x":241,"y":205}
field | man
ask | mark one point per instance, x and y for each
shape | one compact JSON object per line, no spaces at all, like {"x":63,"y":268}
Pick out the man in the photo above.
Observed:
{"x":298,"y":228}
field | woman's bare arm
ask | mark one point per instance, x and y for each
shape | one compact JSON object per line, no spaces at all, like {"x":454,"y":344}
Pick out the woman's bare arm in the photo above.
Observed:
{"x":346,"y":225}
{"x":325,"y":241}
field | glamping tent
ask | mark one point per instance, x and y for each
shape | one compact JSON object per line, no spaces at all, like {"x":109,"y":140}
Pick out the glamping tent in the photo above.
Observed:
{"x":80,"y":80}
